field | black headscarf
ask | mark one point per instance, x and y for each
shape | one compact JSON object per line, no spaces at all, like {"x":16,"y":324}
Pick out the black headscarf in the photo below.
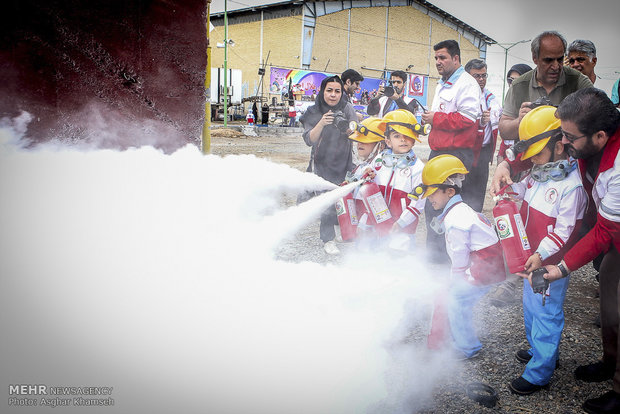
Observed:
{"x":520,"y":68}
{"x":323,"y":107}
{"x":315,"y":112}
{"x":255,"y":111}
{"x":331,"y":156}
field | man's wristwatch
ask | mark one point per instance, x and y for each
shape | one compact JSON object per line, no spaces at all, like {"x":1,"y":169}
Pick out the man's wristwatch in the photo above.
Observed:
{"x":563,"y":269}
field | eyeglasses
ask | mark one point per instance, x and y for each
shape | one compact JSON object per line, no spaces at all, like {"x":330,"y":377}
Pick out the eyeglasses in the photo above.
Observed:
{"x":510,"y":80}
{"x":480,"y":75}
{"x":571,"y":138}
{"x":579,"y":59}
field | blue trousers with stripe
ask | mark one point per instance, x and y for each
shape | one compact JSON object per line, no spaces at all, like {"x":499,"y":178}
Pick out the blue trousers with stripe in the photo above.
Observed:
{"x":543,"y":328}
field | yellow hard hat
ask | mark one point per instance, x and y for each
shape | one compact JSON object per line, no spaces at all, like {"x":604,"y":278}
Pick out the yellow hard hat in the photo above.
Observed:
{"x":369,"y":130}
{"x":539,"y":125}
{"x":436,"y":172}
{"x":403,"y":121}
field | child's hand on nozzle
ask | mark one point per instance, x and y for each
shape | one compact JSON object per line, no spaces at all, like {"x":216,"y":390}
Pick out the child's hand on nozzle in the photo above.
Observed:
{"x":501,"y":178}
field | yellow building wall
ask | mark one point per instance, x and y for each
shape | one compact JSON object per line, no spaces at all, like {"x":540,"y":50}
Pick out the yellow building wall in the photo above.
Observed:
{"x":367,"y":40}
{"x":330,"y":42}
{"x":408,"y":43}
{"x":281,"y":38}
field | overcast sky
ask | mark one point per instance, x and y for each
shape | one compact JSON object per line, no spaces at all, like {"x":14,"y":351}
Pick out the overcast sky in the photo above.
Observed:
{"x":508,"y":22}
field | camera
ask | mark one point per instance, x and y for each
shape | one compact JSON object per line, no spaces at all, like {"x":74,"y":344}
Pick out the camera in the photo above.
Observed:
{"x":389,"y":89}
{"x":543,"y":100}
{"x":340,"y":121}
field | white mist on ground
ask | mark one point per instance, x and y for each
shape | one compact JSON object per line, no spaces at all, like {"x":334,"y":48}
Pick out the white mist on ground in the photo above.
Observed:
{"x":154,"y":274}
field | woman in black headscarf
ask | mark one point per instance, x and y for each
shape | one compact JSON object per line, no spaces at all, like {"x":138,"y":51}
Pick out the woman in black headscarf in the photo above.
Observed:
{"x":255,"y":112}
{"x":331,"y":155}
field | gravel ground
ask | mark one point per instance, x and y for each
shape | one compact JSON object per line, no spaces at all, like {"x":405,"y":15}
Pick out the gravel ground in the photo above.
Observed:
{"x":503,"y":327}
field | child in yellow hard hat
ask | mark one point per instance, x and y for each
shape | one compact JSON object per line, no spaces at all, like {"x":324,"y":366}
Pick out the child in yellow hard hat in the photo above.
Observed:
{"x":397,"y":171}
{"x":554,"y":202}
{"x":472,"y":244}
{"x":369,"y":141}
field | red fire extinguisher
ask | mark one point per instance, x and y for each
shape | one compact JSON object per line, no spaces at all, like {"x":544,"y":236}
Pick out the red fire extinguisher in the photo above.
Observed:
{"x":378,"y":212}
{"x":347,"y":217}
{"x":511,"y":232}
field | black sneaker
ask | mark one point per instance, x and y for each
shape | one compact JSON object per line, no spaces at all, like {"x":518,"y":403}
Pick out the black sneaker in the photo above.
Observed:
{"x":524,"y":356}
{"x":596,"y":372}
{"x":522,"y":386}
{"x":607,"y":403}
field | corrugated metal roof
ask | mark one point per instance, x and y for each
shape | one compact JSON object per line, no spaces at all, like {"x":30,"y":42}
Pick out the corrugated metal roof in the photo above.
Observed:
{"x":236,"y":8}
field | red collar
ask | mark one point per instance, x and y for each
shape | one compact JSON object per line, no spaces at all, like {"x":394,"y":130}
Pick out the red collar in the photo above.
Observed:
{"x":610,"y":152}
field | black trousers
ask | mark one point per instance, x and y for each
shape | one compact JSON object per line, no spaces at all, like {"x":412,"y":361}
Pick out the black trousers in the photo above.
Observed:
{"x":326,"y":227}
{"x":478,"y":177}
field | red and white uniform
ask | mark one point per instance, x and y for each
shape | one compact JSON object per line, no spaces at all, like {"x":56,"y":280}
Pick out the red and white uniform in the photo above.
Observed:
{"x":552,"y":212}
{"x":395,"y":183}
{"x":490,"y":103}
{"x":606,"y":197}
{"x":472,"y":244}
{"x":488,"y":133}
{"x":457,"y":108}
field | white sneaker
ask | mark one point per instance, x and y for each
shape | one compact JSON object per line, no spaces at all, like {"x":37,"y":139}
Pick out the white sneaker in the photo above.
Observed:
{"x":331,"y":248}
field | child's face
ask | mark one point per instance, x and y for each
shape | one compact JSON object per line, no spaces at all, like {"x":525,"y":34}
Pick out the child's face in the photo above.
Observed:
{"x":542,"y":157}
{"x":399,"y":143}
{"x":440,"y":198}
{"x":364,"y":149}
{"x":550,"y":154}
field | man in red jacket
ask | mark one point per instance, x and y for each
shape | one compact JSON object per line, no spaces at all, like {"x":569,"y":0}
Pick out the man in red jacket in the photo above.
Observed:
{"x":591,"y":127}
{"x":454,"y":118}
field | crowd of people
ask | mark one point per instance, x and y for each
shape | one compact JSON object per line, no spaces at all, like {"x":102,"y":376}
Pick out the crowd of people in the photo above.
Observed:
{"x":558,"y":157}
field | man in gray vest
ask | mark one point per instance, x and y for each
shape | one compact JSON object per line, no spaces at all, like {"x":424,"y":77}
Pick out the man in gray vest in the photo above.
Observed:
{"x":548,"y":83}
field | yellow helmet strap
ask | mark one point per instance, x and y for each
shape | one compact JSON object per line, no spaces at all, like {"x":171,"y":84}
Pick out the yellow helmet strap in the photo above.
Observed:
{"x":520,"y":147}
{"x":417,"y":128}
{"x":364,"y":131}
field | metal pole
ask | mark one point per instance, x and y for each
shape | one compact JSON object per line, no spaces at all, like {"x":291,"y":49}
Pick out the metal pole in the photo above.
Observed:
{"x":504,"y":78}
{"x":506,"y":49}
{"x":206,"y":127}
{"x":225,"y":63}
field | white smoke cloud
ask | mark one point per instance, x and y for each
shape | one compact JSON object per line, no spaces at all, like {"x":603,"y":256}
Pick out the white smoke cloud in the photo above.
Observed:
{"x":154,"y":274}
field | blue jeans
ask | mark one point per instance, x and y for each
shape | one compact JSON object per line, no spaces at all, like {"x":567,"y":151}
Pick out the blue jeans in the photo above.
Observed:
{"x":463,"y":298}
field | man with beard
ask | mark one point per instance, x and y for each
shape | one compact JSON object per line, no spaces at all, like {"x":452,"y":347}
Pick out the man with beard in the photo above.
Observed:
{"x":351,"y":80}
{"x":591,"y":127}
{"x":382,"y":104}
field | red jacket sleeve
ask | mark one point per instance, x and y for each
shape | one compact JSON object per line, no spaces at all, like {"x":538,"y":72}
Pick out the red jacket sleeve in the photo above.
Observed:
{"x":597,"y":241}
{"x":452,"y":130}
{"x":451,"y":121}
